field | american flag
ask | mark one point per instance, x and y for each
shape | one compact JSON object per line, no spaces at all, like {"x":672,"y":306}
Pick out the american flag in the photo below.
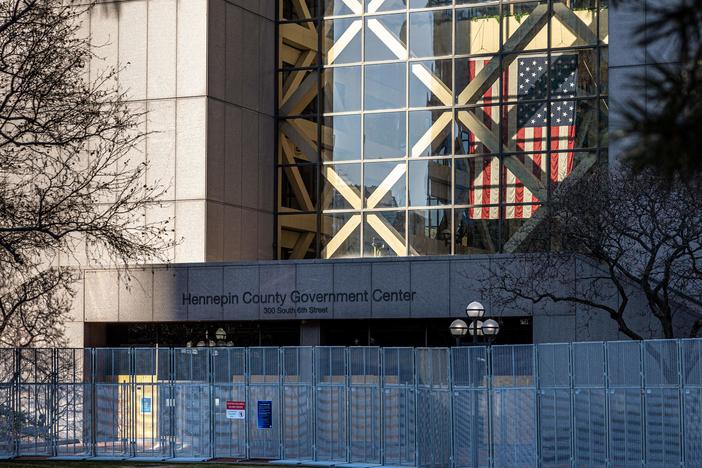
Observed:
{"x":526,"y":131}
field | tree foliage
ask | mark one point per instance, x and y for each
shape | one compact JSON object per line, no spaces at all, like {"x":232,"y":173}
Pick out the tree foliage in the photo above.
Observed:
{"x":629,"y":234}
{"x":72,"y":181}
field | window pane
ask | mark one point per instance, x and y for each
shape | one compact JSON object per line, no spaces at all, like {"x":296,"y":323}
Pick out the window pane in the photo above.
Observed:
{"x":342,"y":89}
{"x":431,"y":83}
{"x":386,"y":37}
{"x":429,"y":182}
{"x":341,"y":235}
{"x":346,"y":51}
{"x":299,"y":187}
{"x":515,"y":17}
{"x":431,"y":33}
{"x":384,"y":184}
{"x":477,"y":29}
{"x":292,"y":101}
{"x":430,"y":232}
{"x":298,"y":140}
{"x":384,"y":234}
{"x":477,"y":181}
{"x":336,"y":7}
{"x":428,"y":3}
{"x":586,"y":12}
{"x":300,"y":236}
{"x":345,"y":192}
{"x":373,"y":6}
{"x":477,"y":130}
{"x":467,"y":69}
{"x":525,"y":178}
{"x":475,"y":233}
{"x":384,"y":135}
{"x":430,"y":133}
{"x":342,"y":138}
{"x":298,"y":9}
{"x":385,"y":86}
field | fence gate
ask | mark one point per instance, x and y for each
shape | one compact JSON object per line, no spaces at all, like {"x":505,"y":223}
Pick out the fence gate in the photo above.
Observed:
{"x":433,"y":407}
{"x":471,"y":414}
{"x":364,"y":405}
{"x":114,"y":410}
{"x":191,"y":403}
{"x":264,"y":400}
{"x":229,"y":388}
{"x":399,"y":406}
{"x":514,"y":407}
{"x":331,"y":404}
{"x":625,"y":431}
{"x":589,"y":404}
{"x":298,"y":404}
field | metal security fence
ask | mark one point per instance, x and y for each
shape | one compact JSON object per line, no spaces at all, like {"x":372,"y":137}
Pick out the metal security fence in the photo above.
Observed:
{"x":591,"y":404}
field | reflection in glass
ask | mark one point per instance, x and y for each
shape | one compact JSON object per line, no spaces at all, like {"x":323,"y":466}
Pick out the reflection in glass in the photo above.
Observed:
{"x":386,"y":5}
{"x":475,"y":235}
{"x":336,"y":247}
{"x":484,"y":121}
{"x":430,"y":133}
{"x":512,"y":18}
{"x":342,"y":89}
{"x":345,"y":192}
{"x":342,"y":52}
{"x":299,"y":187}
{"x":428,"y":3}
{"x":430,"y":83}
{"x":384,"y":234}
{"x":384,"y":135}
{"x":384,"y":184}
{"x":297,"y":145}
{"x":385,"y":86}
{"x":431,"y":33}
{"x":430,"y":232}
{"x":477,"y":182}
{"x":477,"y":29}
{"x":386,"y":37}
{"x":586,"y":10}
{"x":302,"y":243}
{"x":342,"y":138}
{"x":298,"y":9}
{"x":429,"y":182}
{"x":336,"y":7}
{"x":467,"y":69}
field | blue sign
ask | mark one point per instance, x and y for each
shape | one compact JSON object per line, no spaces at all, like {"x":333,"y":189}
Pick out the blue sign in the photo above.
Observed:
{"x":264,"y":411}
{"x":145,"y":405}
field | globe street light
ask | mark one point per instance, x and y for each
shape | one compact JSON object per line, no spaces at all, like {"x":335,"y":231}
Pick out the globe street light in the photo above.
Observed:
{"x":458,"y":328}
{"x":485,"y":327}
{"x":475,"y":310}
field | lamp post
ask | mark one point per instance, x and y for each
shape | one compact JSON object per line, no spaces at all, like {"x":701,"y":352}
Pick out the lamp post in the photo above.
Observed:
{"x":480,"y":328}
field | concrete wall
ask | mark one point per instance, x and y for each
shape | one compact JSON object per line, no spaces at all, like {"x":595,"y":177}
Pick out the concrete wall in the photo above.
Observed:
{"x":203,"y":70}
{"x":433,"y":287}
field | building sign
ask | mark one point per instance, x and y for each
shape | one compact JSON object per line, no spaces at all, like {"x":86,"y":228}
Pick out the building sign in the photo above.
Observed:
{"x":236,"y":410}
{"x":145,"y":405}
{"x":264,"y":413}
{"x":297,"y":302}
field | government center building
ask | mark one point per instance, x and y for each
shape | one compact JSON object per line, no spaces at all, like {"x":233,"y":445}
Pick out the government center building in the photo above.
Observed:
{"x":344,"y":172}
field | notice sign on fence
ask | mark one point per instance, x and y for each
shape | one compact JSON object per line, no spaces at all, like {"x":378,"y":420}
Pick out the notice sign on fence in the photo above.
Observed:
{"x":236,"y":410}
{"x":264,"y":411}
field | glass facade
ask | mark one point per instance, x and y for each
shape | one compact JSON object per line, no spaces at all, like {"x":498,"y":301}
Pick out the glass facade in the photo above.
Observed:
{"x":432,"y":127}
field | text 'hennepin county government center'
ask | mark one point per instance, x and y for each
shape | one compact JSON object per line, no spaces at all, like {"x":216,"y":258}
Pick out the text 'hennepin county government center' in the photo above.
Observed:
{"x":344,"y":172}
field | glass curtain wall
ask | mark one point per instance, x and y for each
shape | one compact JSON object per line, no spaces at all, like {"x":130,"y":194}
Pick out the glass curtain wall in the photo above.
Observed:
{"x":432,"y":127}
